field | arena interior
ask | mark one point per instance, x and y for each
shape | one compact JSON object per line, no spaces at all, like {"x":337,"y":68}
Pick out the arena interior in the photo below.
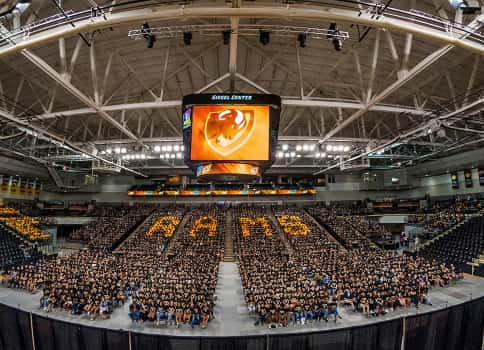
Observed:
{"x":250,"y":175}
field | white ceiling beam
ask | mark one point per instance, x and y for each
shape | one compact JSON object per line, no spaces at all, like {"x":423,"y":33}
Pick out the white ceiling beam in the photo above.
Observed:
{"x":406,"y":136}
{"x":273,"y":11}
{"x":392,"y":47}
{"x":234,"y":26}
{"x":94,"y":78}
{"x":106,"y":76}
{"x":46,"y":68}
{"x":62,"y":140}
{"x":179,"y":139}
{"x":374,"y":62}
{"x":251,"y":83}
{"x":286,"y":101}
{"x":476,"y":24}
{"x":135,"y":75}
{"x":349,"y":104}
{"x":299,"y":72}
{"x":197,"y":65}
{"x":212,"y":83}
{"x":472,"y":79}
{"x":163,"y":74}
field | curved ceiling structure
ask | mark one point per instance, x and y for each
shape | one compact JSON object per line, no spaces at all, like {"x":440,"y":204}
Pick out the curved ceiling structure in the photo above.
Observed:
{"x":410,"y":77}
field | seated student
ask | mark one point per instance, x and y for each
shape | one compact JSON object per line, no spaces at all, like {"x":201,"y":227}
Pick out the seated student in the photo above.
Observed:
{"x":348,"y":299}
{"x":171,"y":315}
{"x":152,"y":314}
{"x":133,"y":313}
{"x":425,"y":299}
{"x":283,"y":318}
{"x":205,"y":318}
{"x":187,"y":315}
{"x":365,"y":306}
{"x":377,"y":307}
{"x":159,"y":316}
{"x":75,"y":307}
{"x":414,"y":297}
{"x":45,"y":303}
{"x":196,"y":318}
{"x":179,"y":316}
{"x":103,"y":309}
{"x":251,"y":307}
{"x":402,"y":301}
{"x":333,"y":287}
{"x":333,"y":310}
{"x":309,"y":313}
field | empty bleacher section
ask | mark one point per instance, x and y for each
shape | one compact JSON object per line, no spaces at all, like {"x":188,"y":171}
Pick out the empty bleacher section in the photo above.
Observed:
{"x":460,"y":246}
{"x":14,"y":250}
{"x":25,"y":226}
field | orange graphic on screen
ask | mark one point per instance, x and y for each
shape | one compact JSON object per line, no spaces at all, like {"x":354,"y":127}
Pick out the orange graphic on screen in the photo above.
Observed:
{"x":229,"y":168}
{"x":230,"y":133}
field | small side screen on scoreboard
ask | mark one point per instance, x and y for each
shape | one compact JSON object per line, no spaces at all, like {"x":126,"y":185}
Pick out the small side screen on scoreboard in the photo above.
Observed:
{"x":230,"y":132}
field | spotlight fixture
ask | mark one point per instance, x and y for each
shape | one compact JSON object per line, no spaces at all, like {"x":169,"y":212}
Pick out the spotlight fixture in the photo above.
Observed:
{"x":187,"y":38}
{"x":302,"y":39}
{"x":264,"y":37}
{"x":150,"y":38}
{"x":226,"y":37}
{"x":335,"y":36}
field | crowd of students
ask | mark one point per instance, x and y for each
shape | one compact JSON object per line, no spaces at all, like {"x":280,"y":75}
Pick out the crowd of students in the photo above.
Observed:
{"x":292,"y":270}
{"x":319,"y":275}
{"x":438,"y":222}
{"x":179,"y":289}
{"x":176,"y":286}
{"x":105,"y":231}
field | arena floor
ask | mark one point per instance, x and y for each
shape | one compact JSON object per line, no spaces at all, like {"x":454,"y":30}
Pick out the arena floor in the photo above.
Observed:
{"x":231,"y":316}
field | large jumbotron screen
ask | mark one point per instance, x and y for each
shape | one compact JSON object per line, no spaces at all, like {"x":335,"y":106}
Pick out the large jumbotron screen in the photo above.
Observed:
{"x":230,"y":128}
{"x":229,"y":132}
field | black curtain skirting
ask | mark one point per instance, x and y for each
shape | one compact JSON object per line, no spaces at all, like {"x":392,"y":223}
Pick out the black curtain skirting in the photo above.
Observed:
{"x":455,"y":328}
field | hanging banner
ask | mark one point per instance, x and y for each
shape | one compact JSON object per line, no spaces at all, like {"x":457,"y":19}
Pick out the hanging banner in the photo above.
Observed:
{"x":481,"y":177}
{"x":468,"y":177}
{"x":455,"y":180}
